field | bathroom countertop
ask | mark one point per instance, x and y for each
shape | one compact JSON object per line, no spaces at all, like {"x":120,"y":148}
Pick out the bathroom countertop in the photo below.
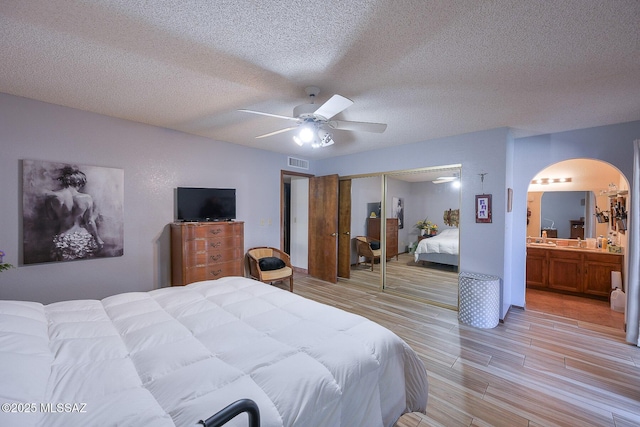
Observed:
{"x":554,"y":246}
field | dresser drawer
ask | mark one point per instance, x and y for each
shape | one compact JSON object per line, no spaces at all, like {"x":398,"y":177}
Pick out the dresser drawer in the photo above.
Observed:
{"x":213,"y":271}
{"x":199,"y":231}
{"x":212,"y":244}
{"x":214,"y":256}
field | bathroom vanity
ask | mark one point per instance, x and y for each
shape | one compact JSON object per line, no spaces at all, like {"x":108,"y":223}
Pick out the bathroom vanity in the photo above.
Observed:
{"x":571,"y":269}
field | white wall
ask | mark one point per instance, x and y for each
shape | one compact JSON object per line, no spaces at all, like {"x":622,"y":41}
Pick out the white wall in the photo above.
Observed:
{"x":155,"y":161}
{"x":299,"y":222}
{"x":402,"y":190}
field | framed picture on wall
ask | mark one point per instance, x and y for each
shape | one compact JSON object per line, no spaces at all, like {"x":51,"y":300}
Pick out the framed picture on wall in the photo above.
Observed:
{"x":71,"y":212}
{"x":483,"y":208}
{"x":398,"y":211}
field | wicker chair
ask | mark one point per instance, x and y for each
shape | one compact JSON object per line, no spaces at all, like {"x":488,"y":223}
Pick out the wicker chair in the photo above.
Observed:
{"x":270,"y":265}
{"x":364,"y":249}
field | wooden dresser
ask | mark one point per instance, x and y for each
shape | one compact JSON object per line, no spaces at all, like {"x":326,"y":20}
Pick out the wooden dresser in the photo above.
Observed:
{"x":373,"y":230}
{"x":206,"y":250}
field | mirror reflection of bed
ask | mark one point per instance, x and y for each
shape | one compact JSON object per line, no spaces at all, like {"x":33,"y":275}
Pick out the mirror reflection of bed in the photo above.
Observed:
{"x":434,"y":279}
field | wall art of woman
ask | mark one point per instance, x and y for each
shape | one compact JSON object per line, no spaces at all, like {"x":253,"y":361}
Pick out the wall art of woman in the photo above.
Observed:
{"x":71,"y":212}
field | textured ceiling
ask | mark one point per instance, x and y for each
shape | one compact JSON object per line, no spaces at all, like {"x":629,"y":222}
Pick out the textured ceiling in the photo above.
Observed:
{"x":428,"y":69}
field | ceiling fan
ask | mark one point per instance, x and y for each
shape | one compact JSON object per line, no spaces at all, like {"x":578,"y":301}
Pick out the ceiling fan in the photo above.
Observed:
{"x":315,"y":122}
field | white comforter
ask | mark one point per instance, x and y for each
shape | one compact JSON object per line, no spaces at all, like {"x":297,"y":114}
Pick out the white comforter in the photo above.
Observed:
{"x":177,"y":355}
{"x":447,"y":242}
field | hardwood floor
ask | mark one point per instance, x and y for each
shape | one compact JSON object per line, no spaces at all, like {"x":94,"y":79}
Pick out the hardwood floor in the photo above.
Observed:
{"x":436,"y":283}
{"x":535,"y":369}
{"x":573,"y":307}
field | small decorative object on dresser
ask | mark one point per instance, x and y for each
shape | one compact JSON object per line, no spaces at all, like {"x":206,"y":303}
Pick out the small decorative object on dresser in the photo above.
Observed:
{"x":206,"y":250}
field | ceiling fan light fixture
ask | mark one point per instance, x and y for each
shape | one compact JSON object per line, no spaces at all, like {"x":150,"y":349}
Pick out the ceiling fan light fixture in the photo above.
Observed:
{"x":306,"y":133}
{"x":326,"y":138}
{"x":298,"y":140}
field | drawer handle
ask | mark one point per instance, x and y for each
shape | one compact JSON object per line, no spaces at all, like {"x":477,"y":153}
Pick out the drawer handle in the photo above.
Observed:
{"x":215,"y":244}
{"x":216,"y":231}
{"x":215,"y":273}
{"x":215,"y":257}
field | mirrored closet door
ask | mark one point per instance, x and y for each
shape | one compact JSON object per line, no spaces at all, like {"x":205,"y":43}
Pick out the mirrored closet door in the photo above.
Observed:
{"x":386,"y":209}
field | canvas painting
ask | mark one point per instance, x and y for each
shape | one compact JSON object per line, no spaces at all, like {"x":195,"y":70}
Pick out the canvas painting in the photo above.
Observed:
{"x":398,"y":211}
{"x":71,"y":212}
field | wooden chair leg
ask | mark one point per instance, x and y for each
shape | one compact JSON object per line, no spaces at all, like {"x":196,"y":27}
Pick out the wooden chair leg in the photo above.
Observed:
{"x":291,"y":284}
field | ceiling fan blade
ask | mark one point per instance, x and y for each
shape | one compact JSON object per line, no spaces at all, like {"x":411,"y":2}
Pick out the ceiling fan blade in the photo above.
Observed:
{"x":333,"y":106}
{"x":358,"y":126}
{"x":276,"y":132}
{"x":269,"y":115}
{"x":443,"y":180}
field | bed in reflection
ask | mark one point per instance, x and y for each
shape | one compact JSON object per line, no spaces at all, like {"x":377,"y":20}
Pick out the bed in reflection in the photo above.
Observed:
{"x":444,"y":248}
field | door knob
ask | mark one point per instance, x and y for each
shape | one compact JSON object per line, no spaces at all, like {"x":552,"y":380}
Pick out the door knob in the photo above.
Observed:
{"x":347,"y":233}
{"x":334,"y":234}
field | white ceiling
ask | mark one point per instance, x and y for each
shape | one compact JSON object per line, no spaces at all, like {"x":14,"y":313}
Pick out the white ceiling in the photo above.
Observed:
{"x":428,"y":69}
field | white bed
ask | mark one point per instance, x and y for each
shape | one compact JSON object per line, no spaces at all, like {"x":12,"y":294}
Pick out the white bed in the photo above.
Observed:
{"x":174,"y":356}
{"x":444,"y":248}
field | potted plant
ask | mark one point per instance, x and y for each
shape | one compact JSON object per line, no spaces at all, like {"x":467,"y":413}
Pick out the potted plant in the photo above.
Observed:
{"x":4,"y":265}
{"x":427,"y":228}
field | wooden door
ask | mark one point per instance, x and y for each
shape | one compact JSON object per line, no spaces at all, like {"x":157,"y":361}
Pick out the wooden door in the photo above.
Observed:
{"x":323,"y":228}
{"x":344,"y":229}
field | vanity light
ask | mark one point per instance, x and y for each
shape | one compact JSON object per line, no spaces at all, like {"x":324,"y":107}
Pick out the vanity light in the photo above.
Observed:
{"x":545,"y":181}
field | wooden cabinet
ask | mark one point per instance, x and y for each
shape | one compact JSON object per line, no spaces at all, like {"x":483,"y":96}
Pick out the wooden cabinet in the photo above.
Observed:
{"x":577,"y":229}
{"x":565,"y":271}
{"x":537,"y":267}
{"x":206,"y":250}
{"x":373,"y":231}
{"x":576,"y":272}
{"x":597,"y":274}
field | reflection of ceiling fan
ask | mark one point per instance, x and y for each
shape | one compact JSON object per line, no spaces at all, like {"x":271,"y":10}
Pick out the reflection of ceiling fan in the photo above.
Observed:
{"x":315,"y":122}
{"x":445,"y":179}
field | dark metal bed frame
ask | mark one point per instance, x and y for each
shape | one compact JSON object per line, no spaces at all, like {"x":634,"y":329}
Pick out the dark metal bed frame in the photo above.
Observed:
{"x":236,"y":408}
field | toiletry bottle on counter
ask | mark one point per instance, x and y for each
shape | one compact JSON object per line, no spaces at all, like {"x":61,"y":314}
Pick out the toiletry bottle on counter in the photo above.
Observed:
{"x":544,"y":236}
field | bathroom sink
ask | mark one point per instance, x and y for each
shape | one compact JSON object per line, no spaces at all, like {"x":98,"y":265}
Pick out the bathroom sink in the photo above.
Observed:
{"x":546,"y":245}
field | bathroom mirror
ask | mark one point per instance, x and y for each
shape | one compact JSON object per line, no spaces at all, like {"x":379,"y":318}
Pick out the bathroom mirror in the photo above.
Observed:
{"x":563,"y":213}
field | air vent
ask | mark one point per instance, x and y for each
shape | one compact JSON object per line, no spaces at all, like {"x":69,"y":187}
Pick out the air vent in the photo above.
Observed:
{"x":298,"y":163}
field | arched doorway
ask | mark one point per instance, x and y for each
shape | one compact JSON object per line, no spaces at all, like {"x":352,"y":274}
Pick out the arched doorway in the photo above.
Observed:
{"x":578,"y":190}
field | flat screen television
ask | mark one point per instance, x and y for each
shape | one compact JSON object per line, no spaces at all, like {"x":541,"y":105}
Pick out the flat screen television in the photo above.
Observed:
{"x":206,"y":204}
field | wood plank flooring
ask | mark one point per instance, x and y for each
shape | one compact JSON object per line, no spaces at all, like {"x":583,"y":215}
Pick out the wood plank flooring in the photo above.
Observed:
{"x":433,"y":282}
{"x":535,"y":369}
